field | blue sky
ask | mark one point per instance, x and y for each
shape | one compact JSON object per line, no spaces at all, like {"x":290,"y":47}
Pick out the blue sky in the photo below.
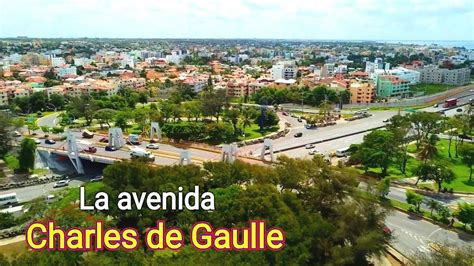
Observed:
{"x":286,"y":19}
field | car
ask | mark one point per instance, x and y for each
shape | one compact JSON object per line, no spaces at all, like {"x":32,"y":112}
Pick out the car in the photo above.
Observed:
{"x":61,"y":183}
{"x":104,"y":140}
{"x":300,"y":120}
{"x":459,"y":110}
{"x":386,"y":120}
{"x":97,"y":178}
{"x":314,"y":152}
{"x":37,"y":141}
{"x":285,"y":113}
{"x":16,"y":134}
{"x":309,"y":146}
{"x":298,"y":135}
{"x":435,"y":105}
{"x":50,"y":141}
{"x":90,"y":149}
{"x":152,"y":146}
{"x":110,"y":148}
{"x":50,"y":198}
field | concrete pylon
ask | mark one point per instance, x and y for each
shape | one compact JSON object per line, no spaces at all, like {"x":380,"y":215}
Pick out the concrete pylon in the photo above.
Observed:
{"x":267,"y":144}
{"x":116,"y":137}
{"x":184,"y":157}
{"x":73,"y":152}
{"x":155,"y":129}
{"x":229,"y":152}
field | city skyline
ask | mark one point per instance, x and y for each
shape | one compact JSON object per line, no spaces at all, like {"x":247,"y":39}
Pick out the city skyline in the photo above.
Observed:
{"x":245,"y":19}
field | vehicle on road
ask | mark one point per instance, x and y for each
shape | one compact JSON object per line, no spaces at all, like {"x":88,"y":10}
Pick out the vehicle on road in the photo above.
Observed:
{"x":90,"y":149}
{"x":139,"y":153}
{"x":152,"y":146}
{"x":343,"y":152}
{"x":61,"y":183}
{"x":459,"y":110}
{"x":285,"y":113}
{"x":8,"y":199}
{"x":104,"y":140}
{"x":386,"y":120}
{"x":97,"y":178}
{"x":50,"y":141}
{"x":314,"y":152}
{"x":50,"y":198}
{"x":87,"y":134}
{"x":133,"y":139}
{"x":298,"y":135}
{"x":300,"y":120}
{"x":16,"y":134}
{"x":309,"y":146}
{"x":37,"y":141}
{"x":450,"y":103}
{"x":435,"y":105}
{"x":110,"y":148}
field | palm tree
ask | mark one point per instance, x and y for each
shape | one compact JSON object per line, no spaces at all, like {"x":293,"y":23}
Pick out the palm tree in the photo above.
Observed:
{"x":246,"y":119}
{"x":428,"y":148}
{"x":433,"y":205}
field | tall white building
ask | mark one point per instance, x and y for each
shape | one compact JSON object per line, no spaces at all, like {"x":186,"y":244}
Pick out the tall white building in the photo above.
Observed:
{"x":57,"y":61}
{"x":284,"y":70}
{"x":412,"y":76}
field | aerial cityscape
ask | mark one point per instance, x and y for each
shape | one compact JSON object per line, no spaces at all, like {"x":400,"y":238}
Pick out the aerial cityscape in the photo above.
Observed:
{"x":237,"y":139}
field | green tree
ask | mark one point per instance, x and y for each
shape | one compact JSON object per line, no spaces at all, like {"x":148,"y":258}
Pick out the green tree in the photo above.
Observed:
{"x":465,"y":213}
{"x":384,"y":187}
{"x":428,"y":149}
{"x":377,"y":150}
{"x":27,"y":154}
{"x":424,"y":125}
{"x":467,"y":156}
{"x":433,"y":205}
{"x":436,"y":172}
{"x":105,"y":116}
{"x":414,"y":199}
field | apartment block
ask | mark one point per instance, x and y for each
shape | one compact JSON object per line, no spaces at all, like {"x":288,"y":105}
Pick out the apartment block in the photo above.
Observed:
{"x":362,"y":92}
{"x":284,"y":70}
{"x":392,"y":86}
{"x":436,"y":75}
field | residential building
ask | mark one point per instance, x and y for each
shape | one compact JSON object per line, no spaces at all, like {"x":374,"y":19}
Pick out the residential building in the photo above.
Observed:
{"x":57,"y":61}
{"x":391,"y":86}
{"x":67,"y":71}
{"x":436,"y":75}
{"x":412,"y":76}
{"x":3,"y":97}
{"x":362,"y":92}
{"x":284,"y":70}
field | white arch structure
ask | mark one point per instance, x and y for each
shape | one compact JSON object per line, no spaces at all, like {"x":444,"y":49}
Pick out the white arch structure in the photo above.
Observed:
{"x":116,"y":137}
{"x":73,"y":152}
{"x":155,"y":129}
{"x":267,"y":144}
{"x":229,"y":153}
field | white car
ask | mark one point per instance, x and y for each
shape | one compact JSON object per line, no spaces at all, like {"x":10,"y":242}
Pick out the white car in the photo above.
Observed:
{"x":152,"y":146}
{"x":37,"y":141}
{"x":314,"y":152}
{"x":61,"y":183}
{"x":309,"y":146}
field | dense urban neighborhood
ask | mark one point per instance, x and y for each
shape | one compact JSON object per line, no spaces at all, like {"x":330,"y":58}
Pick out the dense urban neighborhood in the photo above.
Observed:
{"x":362,"y":151}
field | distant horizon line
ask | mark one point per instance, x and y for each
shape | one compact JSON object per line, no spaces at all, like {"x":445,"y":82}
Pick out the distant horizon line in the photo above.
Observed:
{"x":234,"y":38}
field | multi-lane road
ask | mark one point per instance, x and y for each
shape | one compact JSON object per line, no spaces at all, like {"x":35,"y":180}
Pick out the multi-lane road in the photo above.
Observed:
{"x":411,"y":234}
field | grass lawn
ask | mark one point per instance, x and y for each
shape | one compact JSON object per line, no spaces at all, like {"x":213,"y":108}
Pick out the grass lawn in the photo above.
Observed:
{"x":430,"y":88}
{"x":72,"y":194}
{"x":393,"y":170}
{"x":461,"y":171}
{"x":253,"y":132}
